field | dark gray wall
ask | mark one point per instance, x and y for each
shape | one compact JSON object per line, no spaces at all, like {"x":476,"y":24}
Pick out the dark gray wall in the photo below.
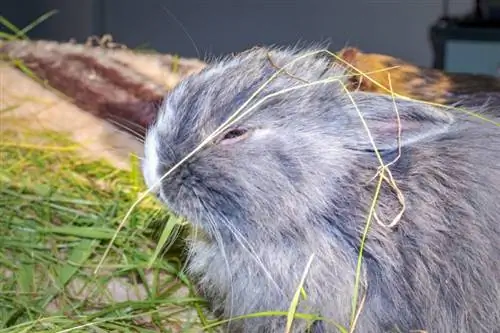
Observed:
{"x":75,"y":18}
{"x":398,"y":27}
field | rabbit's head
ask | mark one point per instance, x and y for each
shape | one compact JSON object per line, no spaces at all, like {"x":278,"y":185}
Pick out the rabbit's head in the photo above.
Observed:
{"x":299,"y":149}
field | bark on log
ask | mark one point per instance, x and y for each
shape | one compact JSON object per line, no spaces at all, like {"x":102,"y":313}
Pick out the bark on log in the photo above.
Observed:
{"x":98,"y":82}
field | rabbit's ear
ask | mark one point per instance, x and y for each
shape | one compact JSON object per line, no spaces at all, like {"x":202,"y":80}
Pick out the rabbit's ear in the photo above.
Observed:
{"x":390,"y":129}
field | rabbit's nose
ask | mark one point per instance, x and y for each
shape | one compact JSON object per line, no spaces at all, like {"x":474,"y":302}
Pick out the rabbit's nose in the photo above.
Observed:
{"x":169,"y":174}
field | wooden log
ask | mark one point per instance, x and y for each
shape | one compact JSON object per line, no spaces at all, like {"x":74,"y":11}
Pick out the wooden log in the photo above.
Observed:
{"x":98,"y":82}
{"x":418,"y":82}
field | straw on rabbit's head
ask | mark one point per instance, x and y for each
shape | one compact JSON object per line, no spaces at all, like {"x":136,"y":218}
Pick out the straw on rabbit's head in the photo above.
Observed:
{"x":295,"y":176}
{"x":286,"y":157}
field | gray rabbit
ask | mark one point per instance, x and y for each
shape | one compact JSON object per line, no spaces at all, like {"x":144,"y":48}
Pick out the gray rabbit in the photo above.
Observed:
{"x":292,"y":183}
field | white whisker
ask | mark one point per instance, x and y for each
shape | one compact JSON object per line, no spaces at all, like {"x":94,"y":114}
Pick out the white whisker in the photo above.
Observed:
{"x":251,"y":251}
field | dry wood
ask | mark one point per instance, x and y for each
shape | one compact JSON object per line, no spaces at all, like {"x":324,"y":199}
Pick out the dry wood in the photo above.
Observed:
{"x":104,"y":82}
{"x":417,"y":82}
{"x":27,"y":105}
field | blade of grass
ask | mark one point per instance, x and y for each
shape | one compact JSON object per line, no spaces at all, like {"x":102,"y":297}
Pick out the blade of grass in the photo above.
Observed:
{"x":298,"y":315}
{"x":295,"y":300}
{"x":78,"y":256}
{"x":8,"y":108}
{"x":81,"y":232}
{"x":23,"y":32}
{"x":7,"y":36}
{"x":165,"y":235}
{"x":10,"y":26}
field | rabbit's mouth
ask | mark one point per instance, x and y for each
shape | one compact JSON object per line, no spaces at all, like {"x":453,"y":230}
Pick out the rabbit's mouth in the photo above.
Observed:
{"x":170,"y":190}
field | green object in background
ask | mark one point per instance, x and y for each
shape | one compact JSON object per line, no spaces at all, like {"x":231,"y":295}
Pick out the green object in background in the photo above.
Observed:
{"x":466,"y":49}
{"x":470,"y":56}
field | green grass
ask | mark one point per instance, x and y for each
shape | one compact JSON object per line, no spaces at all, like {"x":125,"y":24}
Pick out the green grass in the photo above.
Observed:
{"x":58,"y":214}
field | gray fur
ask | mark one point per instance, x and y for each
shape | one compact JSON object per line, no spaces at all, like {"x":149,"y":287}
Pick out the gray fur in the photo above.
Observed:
{"x":302,"y":183}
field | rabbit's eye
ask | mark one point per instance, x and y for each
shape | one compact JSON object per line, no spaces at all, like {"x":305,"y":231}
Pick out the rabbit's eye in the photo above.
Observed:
{"x":234,"y":135}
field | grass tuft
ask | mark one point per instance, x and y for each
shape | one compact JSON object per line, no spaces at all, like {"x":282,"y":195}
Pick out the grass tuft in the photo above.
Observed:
{"x":58,"y":213}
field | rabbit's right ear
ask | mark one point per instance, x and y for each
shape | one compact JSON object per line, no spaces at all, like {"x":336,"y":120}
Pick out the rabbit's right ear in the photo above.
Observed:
{"x":390,"y":129}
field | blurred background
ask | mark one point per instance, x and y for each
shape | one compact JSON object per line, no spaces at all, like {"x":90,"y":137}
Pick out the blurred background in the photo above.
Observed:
{"x":400,"y":28}
{"x":71,"y":137}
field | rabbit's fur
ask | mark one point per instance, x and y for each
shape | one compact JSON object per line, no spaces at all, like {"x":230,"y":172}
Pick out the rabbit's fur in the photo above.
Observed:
{"x":301,"y":182}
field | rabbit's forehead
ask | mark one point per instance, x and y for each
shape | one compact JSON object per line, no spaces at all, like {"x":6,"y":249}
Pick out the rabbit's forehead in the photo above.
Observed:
{"x":211,"y":98}
{"x":204,"y":101}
